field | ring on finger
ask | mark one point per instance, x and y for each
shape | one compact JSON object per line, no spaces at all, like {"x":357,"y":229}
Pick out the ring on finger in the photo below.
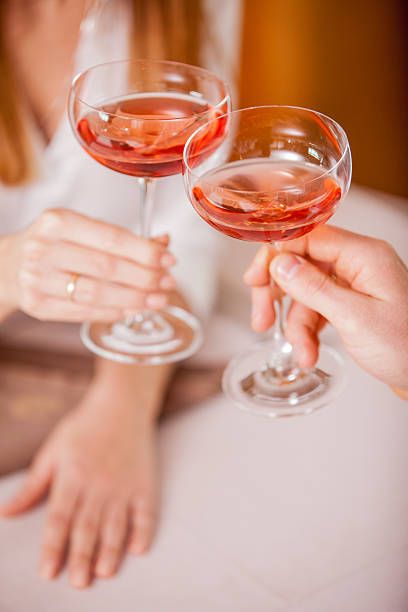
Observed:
{"x":70,"y":287}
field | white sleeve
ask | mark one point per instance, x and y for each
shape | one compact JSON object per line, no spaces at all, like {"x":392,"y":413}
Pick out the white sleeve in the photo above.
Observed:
{"x":195,"y":245}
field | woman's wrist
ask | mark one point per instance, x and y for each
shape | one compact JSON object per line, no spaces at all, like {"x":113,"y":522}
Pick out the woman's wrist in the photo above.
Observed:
{"x":123,"y":389}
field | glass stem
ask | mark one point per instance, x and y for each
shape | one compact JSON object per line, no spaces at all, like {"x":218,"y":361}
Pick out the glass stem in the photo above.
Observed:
{"x":281,"y":361}
{"x":278,"y":330}
{"x":147,"y":188}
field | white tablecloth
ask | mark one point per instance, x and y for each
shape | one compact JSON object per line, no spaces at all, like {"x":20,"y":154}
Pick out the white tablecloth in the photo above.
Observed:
{"x":303,"y":515}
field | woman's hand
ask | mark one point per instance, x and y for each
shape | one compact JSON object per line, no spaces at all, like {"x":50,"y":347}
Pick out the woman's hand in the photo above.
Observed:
{"x":358,"y":284}
{"x":99,"y":465}
{"x":116,"y":271}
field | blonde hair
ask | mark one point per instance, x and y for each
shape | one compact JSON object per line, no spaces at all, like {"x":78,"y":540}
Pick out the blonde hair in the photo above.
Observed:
{"x":162,"y":29}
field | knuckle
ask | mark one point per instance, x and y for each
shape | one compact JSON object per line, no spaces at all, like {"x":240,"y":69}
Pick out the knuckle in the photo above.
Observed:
{"x":134,"y":299}
{"x":144,"y":495}
{"x":33,"y":250}
{"x":50,"y":221}
{"x":27,"y":279}
{"x":84,"y":527}
{"x":90,"y":292}
{"x":318,"y":285}
{"x":385,"y":248}
{"x":57,"y":520}
{"x":105,"y":265}
{"x":76,"y":473}
{"x":104,"y":480}
{"x":30,"y":301}
{"x":113,"y":238}
{"x":151,"y":280}
{"x":116,"y":523}
{"x":350,"y":325}
{"x":150,"y":252}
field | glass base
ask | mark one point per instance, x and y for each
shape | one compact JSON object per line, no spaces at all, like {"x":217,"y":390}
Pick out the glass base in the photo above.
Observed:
{"x":254,"y":387}
{"x":153,"y":338}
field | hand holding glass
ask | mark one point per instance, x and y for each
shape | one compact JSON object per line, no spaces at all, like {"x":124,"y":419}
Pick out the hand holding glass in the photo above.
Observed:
{"x":280,"y":172}
{"x":134,"y":117}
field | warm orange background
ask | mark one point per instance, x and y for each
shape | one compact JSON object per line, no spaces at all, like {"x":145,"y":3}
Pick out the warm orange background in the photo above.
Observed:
{"x":348,"y":59}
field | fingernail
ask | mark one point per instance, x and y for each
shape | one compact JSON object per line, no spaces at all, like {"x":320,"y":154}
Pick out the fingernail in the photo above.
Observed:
{"x":104,"y":567}
{"x":138,"y":548}
{"x":156,"y":301}
{"x":163,"y":239}
{"x":79,"y":578}
{"x":47,"y":570}
{"x":167,"y":282}
{"x":284,"y":266}
{"x":167,"y":260}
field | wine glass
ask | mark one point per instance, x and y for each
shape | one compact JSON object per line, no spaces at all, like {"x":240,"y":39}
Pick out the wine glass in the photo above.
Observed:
{"x":134,"y":117}
{"x":280,"y":172}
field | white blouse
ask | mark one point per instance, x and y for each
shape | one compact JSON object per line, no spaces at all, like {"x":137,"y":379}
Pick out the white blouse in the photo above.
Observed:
{"x":68,"y":178}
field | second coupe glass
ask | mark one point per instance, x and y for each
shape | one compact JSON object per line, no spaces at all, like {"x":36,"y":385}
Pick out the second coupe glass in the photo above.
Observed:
{"x":280,"y":172}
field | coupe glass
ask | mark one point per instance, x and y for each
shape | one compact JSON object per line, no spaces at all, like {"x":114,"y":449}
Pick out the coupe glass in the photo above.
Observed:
{"x":134,"y":117}
{"x":279,"y":173}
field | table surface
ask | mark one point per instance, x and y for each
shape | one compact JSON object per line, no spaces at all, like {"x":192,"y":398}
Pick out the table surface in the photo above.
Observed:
{"x":303,"y":515}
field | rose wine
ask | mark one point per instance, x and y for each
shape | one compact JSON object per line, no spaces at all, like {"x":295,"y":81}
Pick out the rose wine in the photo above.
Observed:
{"x":144,"y":134}
{"x":263,"y":200}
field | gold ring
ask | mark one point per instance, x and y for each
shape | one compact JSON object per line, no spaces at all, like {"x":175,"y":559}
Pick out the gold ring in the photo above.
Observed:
{"x":71,"y":286}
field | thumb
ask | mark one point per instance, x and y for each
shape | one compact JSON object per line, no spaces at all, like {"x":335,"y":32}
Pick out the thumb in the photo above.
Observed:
{"x":33,"y":489}
{"x":309,"y":285}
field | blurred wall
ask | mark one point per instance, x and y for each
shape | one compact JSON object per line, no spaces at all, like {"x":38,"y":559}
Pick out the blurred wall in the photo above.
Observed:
{"x":347,"y":59}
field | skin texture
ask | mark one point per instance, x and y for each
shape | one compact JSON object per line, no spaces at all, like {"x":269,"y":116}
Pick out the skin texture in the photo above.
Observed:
{"x":357,"y":283}
{"x":118,"y":272}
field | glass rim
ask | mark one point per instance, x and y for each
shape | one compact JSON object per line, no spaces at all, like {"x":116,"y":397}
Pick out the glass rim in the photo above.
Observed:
{"x":228,"y":115}
{"x":203,"y":71}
